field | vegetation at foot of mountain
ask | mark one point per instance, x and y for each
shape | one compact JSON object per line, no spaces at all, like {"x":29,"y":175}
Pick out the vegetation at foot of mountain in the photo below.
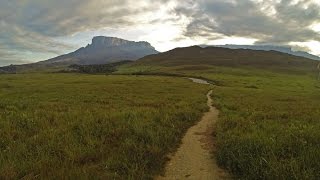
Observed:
{"x":93,"y":126}
{"x":8,"y":69}
{"x":96,"y":68}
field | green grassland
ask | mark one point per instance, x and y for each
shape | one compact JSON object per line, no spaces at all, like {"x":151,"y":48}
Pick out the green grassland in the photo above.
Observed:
{"x":269,"y":126}
{"x":123,"y":125}
{"x":93,"y":126}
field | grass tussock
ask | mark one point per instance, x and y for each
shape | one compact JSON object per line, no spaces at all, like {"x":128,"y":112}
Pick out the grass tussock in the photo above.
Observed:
{"x":269,"y":125}
{"x":91,"y":126}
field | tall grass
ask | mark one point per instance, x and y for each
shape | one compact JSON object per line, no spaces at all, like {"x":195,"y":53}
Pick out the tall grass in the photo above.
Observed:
{"x":91,"y":126}
{"x":269,"y":126}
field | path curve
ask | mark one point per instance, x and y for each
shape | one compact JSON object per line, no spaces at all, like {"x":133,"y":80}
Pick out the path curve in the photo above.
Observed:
{"x":199,"y":81}
{"x":193,"y":160}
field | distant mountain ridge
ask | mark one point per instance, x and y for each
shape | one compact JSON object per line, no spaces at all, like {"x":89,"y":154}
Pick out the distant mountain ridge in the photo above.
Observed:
{"x":104,"y":50}
{"x":283,"y":49}
{"x":202,"y":57}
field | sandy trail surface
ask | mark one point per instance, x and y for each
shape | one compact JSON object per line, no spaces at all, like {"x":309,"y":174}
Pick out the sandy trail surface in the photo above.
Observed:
{"x":194,"y":159}
{"x":199,"y":81}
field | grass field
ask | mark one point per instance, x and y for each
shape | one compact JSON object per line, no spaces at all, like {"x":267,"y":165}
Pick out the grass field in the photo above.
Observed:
{"x":89,"y":126}
{"x":269,"y":126}
{"x":93,"y":126}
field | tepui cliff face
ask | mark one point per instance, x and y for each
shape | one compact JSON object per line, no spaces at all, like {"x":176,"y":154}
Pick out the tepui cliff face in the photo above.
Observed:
{"x":104,"y":50}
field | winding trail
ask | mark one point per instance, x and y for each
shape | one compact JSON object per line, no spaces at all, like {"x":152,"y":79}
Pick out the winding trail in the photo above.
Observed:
{"x":194,"y":159}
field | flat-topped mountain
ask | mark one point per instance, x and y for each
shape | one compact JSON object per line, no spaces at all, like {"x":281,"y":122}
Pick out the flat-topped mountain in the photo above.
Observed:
{"x":104,"y":50}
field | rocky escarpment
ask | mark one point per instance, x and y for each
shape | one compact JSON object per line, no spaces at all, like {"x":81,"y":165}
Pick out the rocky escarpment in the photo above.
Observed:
{"x":104,"y":50}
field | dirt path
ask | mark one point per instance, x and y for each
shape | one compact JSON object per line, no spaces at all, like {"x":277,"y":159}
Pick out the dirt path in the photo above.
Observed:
{"x":199,"y":81}
{"x":194,"y":160}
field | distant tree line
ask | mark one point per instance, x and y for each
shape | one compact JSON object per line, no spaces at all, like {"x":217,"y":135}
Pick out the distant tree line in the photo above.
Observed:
{"x":8,"y":69}
{"x":97,"y":68}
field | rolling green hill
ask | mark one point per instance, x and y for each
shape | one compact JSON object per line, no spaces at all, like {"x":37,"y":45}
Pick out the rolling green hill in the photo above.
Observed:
{"x":214,"y":56}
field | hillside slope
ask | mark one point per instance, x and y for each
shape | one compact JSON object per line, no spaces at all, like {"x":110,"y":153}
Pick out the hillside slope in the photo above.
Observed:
{"x":283,"y":49}
{"x":216,"y":56}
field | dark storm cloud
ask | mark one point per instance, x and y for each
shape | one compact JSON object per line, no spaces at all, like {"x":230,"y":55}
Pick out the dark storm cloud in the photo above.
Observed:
{"x":267,"y":21}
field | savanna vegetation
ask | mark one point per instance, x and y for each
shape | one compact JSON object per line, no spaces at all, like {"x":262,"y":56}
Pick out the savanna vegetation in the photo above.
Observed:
{"x":89,"y":126}
{"x":269,"y":124}
{"x":96,"y":68}
{"x":93,"y":126}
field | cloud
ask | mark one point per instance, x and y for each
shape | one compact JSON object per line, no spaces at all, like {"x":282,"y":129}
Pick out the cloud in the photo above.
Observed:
{"x":32,"y":27}
{"x":10,"y":57}
{"x":60,"y":17}
{"x":271,"y":22}
{"x":40,"y":29}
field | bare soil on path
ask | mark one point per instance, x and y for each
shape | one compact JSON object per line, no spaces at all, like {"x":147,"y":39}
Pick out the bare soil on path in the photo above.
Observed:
{"x":194,"y":159}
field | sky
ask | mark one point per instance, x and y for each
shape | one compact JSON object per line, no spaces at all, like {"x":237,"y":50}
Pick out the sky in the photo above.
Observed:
{"x":34,"y":30}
